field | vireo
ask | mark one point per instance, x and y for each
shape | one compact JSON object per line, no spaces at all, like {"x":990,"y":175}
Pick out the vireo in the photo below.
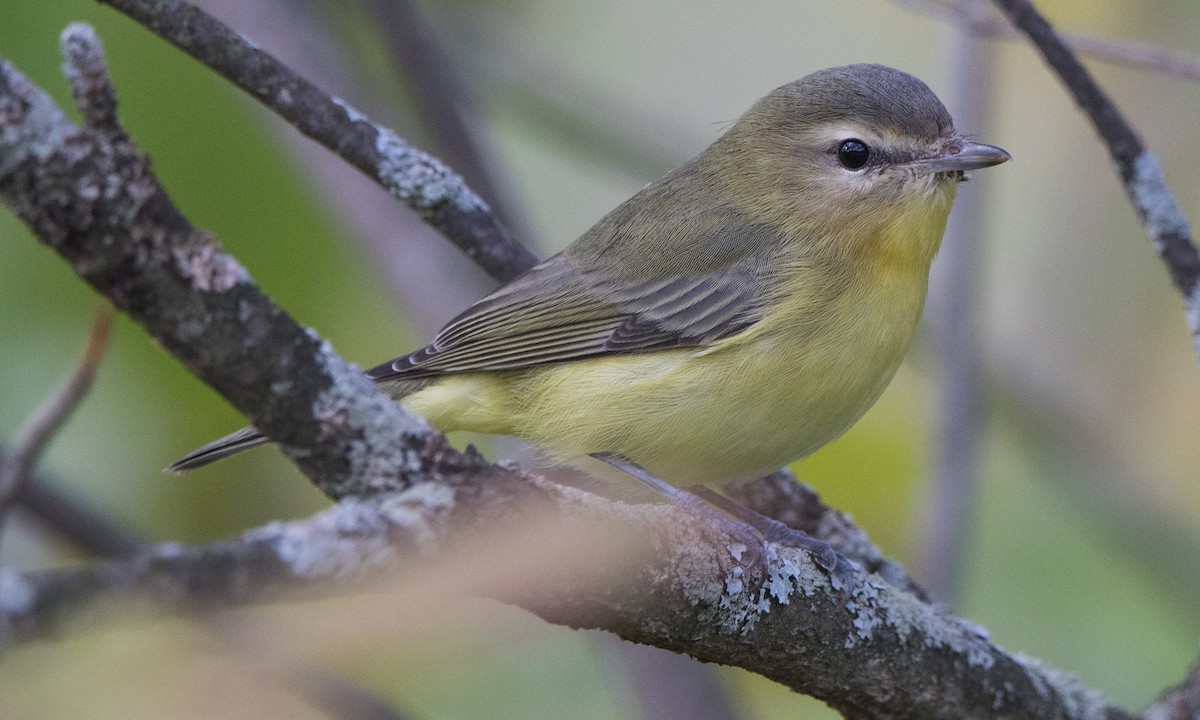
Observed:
{"x":731,"y":317}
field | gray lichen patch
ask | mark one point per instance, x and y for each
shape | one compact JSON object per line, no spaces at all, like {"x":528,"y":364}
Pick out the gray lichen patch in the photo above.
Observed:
{"x":874,"y":605}
{"x":789,"y":572}
{"x":30,"y":123}
{"x":357,"y":537}
{"x":420,"y":179}
{"x":1149,"y":190}
{"x":378,"y":458}
{"x":208,"y":268}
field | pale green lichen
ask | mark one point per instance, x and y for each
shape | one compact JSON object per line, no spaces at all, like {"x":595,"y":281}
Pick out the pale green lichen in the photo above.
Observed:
{"x":789,"y":572}
{"x":39,"y":128}
{"x":419,"y":179}
{"x":1148,"y":187}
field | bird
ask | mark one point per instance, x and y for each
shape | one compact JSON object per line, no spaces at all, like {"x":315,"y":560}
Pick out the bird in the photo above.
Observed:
{"x":731,"y":317}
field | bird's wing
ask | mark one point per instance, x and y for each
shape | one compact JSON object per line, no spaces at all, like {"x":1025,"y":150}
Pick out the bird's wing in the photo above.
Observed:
{"x":558,"y":311}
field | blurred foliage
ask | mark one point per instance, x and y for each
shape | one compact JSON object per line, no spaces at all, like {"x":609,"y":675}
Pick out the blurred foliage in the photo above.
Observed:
{"x":584,"y":103}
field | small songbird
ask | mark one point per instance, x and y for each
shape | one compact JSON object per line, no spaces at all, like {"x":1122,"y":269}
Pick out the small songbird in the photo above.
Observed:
{"x":731,"y":317}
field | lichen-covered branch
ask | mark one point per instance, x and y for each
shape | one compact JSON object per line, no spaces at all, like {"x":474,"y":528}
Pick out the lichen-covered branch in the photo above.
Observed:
{"x":87,"y":193}
{"x":655,"y":574}
{"x":1140,"y":171}
{"x":420,"y":180}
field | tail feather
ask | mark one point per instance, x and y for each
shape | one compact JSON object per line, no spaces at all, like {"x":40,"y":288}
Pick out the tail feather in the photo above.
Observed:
{"x":243,"y":439}
{"x":248,"y":437}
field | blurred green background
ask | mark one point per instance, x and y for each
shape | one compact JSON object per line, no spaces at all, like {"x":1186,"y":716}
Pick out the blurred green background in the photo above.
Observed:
{"x":1085,"y":537}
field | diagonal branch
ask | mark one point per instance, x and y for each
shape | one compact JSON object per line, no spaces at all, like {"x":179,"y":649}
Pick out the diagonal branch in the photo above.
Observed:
{"x":1139,"y":169}
{"x":1128,"y":53}
{"x":87,"y":193}
{"x":655,"y":574}
{"x":421,"y":181}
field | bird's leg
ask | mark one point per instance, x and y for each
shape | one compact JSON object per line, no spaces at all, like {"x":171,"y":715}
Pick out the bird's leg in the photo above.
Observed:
{"x":674,"y":495}
{"x":699,"y":498}
{"x":837,"y":566}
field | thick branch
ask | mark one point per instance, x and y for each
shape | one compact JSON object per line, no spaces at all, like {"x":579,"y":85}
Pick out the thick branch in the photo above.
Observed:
{"x":87,"y":193}
{"x":420,"y":180}
{"x":659,"y":575}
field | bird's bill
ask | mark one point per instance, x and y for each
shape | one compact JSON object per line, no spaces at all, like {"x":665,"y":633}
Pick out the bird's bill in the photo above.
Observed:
{"x":963,"y":155}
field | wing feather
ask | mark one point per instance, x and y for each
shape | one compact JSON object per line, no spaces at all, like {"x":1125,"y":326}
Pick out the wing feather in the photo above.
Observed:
{"x":559,"y":311}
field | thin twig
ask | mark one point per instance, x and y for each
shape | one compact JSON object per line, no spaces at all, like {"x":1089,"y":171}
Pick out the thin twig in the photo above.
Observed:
{"x":441,"y":95}
{"x":420,"y":180}
{"x":45,"y":421}
{"x":72,"y":519}
{"x":1132,"y":54}
{"x":1139,"y":169}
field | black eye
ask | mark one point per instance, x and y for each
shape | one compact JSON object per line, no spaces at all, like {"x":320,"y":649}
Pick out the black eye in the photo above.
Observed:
{"x":853,"y":154}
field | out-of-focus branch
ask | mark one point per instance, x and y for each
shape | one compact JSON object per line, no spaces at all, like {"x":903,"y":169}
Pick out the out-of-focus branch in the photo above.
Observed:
{"x":952,"y":312}
{"x":73,"y":520}
{"x":16,"y":466}
{"x":1128,"y":53}
{"x":1181,"y":702}
{"x":1139,"y":169}
{"x":684,"y":583}
{"x":422,"y":181}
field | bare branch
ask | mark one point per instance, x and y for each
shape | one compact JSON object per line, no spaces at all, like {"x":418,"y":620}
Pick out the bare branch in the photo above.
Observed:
{"x":47,"y":419}
{"x":420,"y":180}
{"x":1139,"y":169}
{"x":441,"y":94}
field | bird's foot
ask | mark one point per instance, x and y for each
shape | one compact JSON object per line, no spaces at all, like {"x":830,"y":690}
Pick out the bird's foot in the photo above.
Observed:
{"x":838,"y":567}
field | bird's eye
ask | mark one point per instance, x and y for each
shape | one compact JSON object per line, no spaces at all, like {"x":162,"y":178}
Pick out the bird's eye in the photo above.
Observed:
{"x":853,"y":154}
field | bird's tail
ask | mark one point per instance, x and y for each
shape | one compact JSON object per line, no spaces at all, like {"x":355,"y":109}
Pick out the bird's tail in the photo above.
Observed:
{"x":243,"y":439}
{"x":248,"y":437}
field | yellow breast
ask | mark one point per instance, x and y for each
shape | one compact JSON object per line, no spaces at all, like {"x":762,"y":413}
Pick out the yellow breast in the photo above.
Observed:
{"x":743,"y":407}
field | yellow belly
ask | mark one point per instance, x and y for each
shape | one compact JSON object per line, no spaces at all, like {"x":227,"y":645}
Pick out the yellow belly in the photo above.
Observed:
{"x":742,"y":408}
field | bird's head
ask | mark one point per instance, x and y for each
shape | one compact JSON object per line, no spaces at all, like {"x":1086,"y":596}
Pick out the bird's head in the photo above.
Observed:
{"x":850,"y":149}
